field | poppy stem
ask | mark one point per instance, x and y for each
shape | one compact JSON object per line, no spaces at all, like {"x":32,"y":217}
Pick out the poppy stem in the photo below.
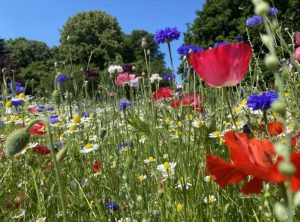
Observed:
{"x":229,"y":107}
{"x":266,"y":122}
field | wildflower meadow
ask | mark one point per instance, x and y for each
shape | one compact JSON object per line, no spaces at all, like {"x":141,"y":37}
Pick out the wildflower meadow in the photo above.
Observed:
{"x":215,"y":140}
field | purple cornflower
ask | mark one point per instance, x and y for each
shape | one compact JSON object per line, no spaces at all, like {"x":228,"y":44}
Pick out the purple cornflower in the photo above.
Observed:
{"x":92,"y":74}
{"x":16,"y":102}
{"x":273,"y":11}
{"x":124,"y":105}
{"x":166,"y":35}
{"x":53,"y":119}
{"x":41,"y":108}
{"x":255,"y":21}
{"x":261,"y":102}
{"x":186,"y":50}
{"x":18,"y":86}
{"x":50,"y":108}
{"x":61,"y":78}
{"x":111,"y":205}
{"x":169,"y":76}
{"x":239,"y":38}
{"x":220,"y":43}
{"x":127,"y":68}
{"x":125,"y":144}
{"x":85,"y":115}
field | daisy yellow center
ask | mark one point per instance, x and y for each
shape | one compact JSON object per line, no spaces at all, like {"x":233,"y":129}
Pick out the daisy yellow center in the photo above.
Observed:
{"x":76,"y":119}
{"x":179,"y":123}
{"x":151,"y":158}
{"x":217,"y":133}
{"x":21,"y":96}
{"x":191,"y":117}
{"x":167,"y":121}
{"x":8,"y":104}
{"x":244,"y":102}
{"x":88,"y":146}
{"x":72,"y":128}
{"x":167,"y":165}
{"x":179,"y":208}
{"x":198,"y":123}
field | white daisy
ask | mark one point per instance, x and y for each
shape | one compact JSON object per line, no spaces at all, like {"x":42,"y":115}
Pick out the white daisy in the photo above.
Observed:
{"x":167,"y":169}
{"x":89,"y":148}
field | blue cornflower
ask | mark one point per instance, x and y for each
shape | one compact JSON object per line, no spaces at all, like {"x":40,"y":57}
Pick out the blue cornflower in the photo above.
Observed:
{"x":239,"y":38}
{"x":61,"y":78}
{"x":169,"y":76}
{"x":263,"y":101}
{"x":53,"y":119}
{"x":110,"y":205}
{"x":255,"y":21}
{"x":273,"y":11}
{"x":17,"y":102}
{"x":220,"y":43}
{"x":41,"y":108}
{"x":166,"y":35}
{"x":50,"y":108}
{"x":185,"y":50}
{"x":18,"y":86}
{"x":85,"y":115}
{"x":125,"y":144}
{"x":124,"y":105}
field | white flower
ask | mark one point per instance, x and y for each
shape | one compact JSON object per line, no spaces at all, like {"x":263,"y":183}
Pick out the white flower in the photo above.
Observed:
{"x":155,"y":77}
{"x":134,"y":83}
{"x":149,"y":160}
{"x":41,"y":219}
{"x":183,"y":185}
{"x":207,"y":179}
{"x":167,"y":169}
{"x":197,"y":123}
{"x":210,"y":199}
{"x":89,"y":148}
{"x":113,"y":68}
{"x":127,"y":219}
{"x":18,"y":213}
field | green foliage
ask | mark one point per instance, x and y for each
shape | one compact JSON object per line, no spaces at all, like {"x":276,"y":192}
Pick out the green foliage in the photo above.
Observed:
{"x":93,"y":31}
{"x":24,"y":51}
{"x":225,"y":19}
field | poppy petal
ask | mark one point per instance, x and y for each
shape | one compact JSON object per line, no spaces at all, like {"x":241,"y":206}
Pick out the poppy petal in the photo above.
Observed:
{"x":255,"y":185}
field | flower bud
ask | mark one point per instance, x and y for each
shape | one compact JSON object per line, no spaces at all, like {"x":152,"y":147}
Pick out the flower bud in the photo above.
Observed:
{"x":280,"y":212}
{"x":287,"y":168}
{"x":271,"y":62}
{"x":262,"y":8}
{"x":279,"y":106}
{"x":61,"y":154}
{"x":148,"y":52}
{"x":282,"y":150}
{"x":56,"y":97}
{"x":144,"y":42}
{"x":16,"y":142}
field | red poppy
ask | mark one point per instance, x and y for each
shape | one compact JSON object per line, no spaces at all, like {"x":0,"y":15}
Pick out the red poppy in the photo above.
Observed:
{"x":37,"y":129}
{"x":225,"y":65}
{"x":192,"y":100}
{"x":162,"y":93}
{"x":295,"y":140}
{"x":249,"y":157}
{"x":96,"y":166}
{"x":275,"y":128}
{"x":124,"y":78}
{"x":41,"y":150}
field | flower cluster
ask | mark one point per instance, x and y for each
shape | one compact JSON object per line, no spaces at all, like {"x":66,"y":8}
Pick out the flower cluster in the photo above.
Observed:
{"x":261,"y":102}
{"x":166,"y":35}
{"x":186,"y":50}
{"x":92,"y":74}
{"x":254,"y":21}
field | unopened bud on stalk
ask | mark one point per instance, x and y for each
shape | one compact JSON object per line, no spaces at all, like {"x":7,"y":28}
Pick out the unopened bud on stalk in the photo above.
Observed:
{"x":274,"y":26}
{"x":144,"y":42}
{"x":271,"y":62}
{"x":262,"y":8}
{"x":191,"y":51}
{"x":282,"y":150}
{"x":184,"y":58}
{"x":68,"y":38}
{"x":55,"y":64}
{"x":287,"y":168}
{"x":16,"y":142}
{"x":280,"y":212}
{"x":56,"y":97}
{"x":61,"y":154}
{"x":4,"y":70}
{"x":279,"y":106}
{"x":148,"y":52}
{"x":267,"y":40}
{"x":103,"y":133}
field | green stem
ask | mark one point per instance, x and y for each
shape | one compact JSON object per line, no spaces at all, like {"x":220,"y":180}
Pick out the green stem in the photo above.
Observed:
{"x":229,"y":107}
{"x":172,"y":66}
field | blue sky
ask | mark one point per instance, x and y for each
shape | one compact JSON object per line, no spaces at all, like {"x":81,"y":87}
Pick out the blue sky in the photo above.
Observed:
{"x":42,"y":19}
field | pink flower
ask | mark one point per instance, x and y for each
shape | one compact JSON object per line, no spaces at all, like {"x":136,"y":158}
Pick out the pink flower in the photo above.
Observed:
{"x":297,"y":54}
{"x":124,"y":78}
{"x":298,"y":38}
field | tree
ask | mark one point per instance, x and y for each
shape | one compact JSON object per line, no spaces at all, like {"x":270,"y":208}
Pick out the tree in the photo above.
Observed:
{"x":23,"y":52}
{"x":225,"y":19}
{"x":92,"y":31}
